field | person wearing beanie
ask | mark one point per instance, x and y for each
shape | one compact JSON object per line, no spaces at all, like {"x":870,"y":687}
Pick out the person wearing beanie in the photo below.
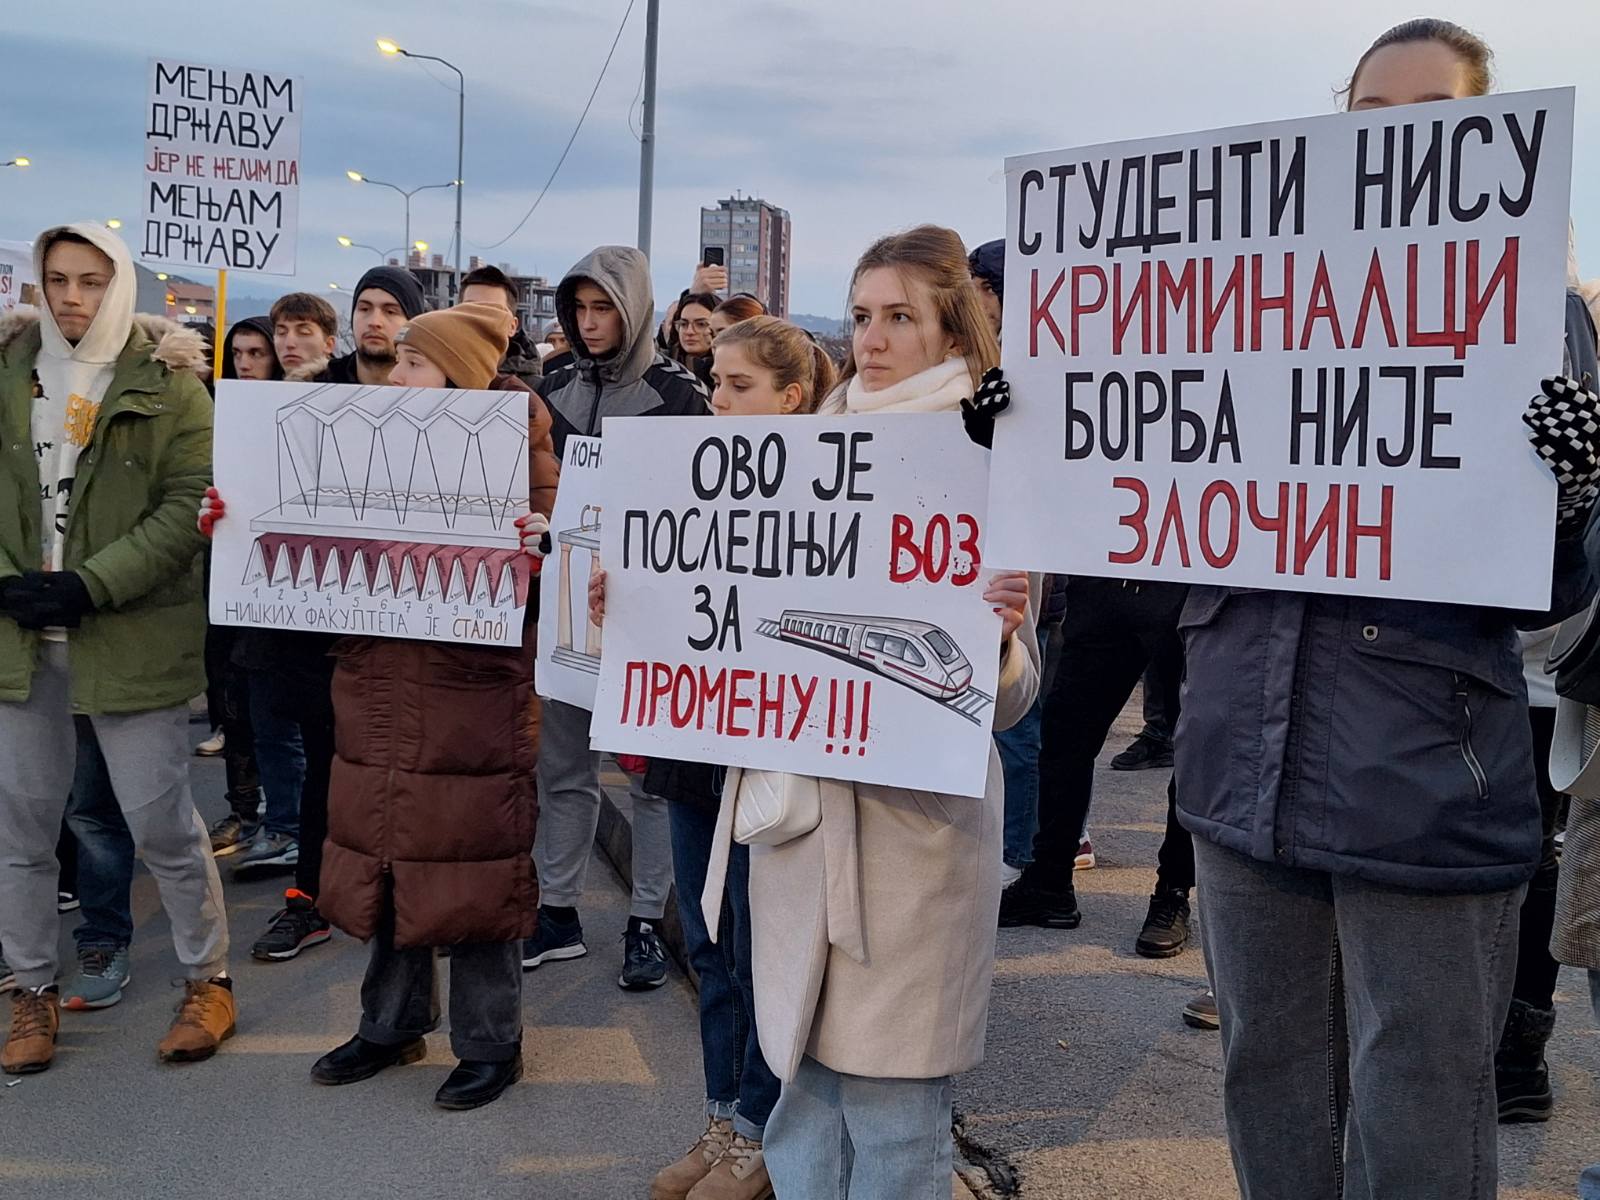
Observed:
{"x":247,"y":351}
{"x":988,"y":266}
{"x":385,"y":299}
{"x":101,"y":616}
{"x":434,"y":790}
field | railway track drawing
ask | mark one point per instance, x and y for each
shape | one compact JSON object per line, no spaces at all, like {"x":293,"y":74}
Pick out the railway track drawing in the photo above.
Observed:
{"x":915,"y":654}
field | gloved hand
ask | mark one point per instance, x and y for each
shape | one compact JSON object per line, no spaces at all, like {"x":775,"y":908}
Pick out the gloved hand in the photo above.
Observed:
{"x":14,"y":597}
{"x":978,"y":414}
{"x":1564,"y":426}
{"x":51,"y":600}
{"x":534,"y":530}
{"x":212,"y":510}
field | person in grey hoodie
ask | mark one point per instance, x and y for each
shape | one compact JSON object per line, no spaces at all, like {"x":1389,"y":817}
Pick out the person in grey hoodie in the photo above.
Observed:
{"x":606,"y":308}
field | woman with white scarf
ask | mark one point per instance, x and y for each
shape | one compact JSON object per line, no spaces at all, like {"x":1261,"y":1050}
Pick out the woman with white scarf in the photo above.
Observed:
{"x":874,"y":934}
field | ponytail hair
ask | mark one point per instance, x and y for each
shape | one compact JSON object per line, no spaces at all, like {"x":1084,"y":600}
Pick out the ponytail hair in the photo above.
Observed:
{"x":1471,"y":49}
{"x":789,"y":352}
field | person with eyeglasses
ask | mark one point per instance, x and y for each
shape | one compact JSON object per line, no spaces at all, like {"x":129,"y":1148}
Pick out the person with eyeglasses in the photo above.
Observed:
{"x":689,"y":339}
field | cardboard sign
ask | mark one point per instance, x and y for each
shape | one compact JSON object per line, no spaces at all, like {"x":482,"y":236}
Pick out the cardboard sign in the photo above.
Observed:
{"x":1290,"y":356}
{"x":16,"y":275}
{"x":384,"y":511}
{"x":222,"y":168}
{"x":801,"y":594}
{"x":568,"y":663}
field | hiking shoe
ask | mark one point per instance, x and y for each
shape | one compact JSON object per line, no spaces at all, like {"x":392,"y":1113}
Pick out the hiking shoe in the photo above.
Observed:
{"x":644,"y":957}
{"x":1521,"y":1076}
{"x":231,"y":835}
{"x":102,"y":974}
{"x":1025,"y":903}
{"x":1085,"y":860}
{"x":740,"y":1174}
{"x":268,"y":850}
{"x":204,"y":1021}
{"x":555,"y":941}
{"x":297,"y":926}
{"x":35,"y":1021}
{"x":360,"y":1059}
{"x":1144,"y":754}
{"x":676,"y":1181}
{"x":67,"y":902}
{"x":1201,"y":1012}
{"x":1166,"y":925}
{"x":212,"y":746}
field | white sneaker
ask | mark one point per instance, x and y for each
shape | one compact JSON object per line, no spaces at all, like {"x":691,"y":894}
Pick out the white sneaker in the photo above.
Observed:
{"x":1085,"y":859}
{"x":212,"y":746}
{"x":1009,"y":874}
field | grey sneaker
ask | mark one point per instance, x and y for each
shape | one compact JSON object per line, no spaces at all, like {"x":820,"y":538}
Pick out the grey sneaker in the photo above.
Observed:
{"x":268,"y":850}
{"x":231,"y":835}
{"x":1201,"y":1012}
{"x":102,"y":974}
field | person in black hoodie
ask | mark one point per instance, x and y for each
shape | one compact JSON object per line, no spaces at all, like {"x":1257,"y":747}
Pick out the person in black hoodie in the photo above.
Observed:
{"x":247,"y":351}
{"x":386,"y":298}
{"x":606,"y":307}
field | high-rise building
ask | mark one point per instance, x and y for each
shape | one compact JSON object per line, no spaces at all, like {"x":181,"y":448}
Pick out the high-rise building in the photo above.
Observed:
{"x":754,"y":237}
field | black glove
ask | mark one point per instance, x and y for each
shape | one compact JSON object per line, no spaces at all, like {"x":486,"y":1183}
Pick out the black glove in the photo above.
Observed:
{"x":51,"y":600}
{"x":1564,"y":426}
{"x":978,"y":414}
{"x":13,"y":596}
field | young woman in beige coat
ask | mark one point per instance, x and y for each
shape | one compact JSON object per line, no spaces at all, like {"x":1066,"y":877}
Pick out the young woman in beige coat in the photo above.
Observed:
{"x":874,"y":935}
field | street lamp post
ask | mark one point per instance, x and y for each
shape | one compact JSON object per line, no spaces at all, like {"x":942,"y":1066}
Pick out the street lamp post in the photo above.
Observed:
{"x":382,"y":254}
{"x":20,"y":160}
{"x":390,"y":48}
{"x":358,"y":177}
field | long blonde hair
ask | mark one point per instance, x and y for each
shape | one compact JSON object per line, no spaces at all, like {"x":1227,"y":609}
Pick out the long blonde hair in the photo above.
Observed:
{"x":935,"y":255}
{"x":787,"y":351}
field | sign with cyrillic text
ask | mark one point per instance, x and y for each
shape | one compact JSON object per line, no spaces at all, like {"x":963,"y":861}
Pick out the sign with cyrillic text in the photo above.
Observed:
{"x":567,"y":666}
{"x":1290,"y":356}
{"x":222,"y":168}
{"x":800,"y":594}
{"x":382,"y":511}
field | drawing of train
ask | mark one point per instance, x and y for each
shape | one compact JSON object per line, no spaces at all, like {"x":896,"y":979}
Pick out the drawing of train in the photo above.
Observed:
{"x":914,"y":653}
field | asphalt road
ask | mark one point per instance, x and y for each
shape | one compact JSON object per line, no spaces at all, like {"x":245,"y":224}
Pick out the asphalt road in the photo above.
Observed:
{"x":1093,"y":1086}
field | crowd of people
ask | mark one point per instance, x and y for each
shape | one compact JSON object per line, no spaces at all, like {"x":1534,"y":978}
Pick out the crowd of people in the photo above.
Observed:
{"x":1361,"y":792}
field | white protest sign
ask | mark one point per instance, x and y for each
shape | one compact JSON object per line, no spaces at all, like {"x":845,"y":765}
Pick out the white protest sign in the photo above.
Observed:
{"x":222,"y":168}
{"x":799,"y":594}
{"x":1290,"y":356}
{"x":16,"y":274}
{"x":568,"y":663}
{"x":386,"y":511}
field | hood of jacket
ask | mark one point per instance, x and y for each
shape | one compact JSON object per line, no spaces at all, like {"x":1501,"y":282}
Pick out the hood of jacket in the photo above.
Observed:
{"x":176,"y":347}
{"x":623,"y":273}
{"x":261,"y":325}
{"x":108,"y":332}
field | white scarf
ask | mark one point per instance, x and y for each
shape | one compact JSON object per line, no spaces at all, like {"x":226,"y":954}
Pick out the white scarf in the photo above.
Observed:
{"x":940,"y":388}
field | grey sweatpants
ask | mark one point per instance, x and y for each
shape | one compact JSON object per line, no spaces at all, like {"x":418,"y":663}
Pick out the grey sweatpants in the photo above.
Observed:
{"x":1359,"y":1025}
{"x":147,"y":756}
{"x":569,"y":814}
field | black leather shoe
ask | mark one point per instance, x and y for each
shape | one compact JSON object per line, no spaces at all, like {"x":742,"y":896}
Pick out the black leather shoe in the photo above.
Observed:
{"x":474,"y":1084}
{"x":360,"y":1059}
{"x":1023,"y":903}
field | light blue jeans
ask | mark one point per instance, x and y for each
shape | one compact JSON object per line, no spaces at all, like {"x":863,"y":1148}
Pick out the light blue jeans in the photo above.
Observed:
{"x":835,"y":1136}
{"x":1589,"y":1181}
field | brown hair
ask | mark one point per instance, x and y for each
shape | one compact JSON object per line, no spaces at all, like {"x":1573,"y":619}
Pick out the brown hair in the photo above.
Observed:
{"x":935,"y":256}
{"x":742,"y":307}
{"x":788,"y":351}
{"x":306,"y":306}
{"x":1468,"y":47}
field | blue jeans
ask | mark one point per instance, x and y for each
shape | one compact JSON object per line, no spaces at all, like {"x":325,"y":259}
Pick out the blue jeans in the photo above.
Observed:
{"x":105,"y":849}
{"x":1019,"y":758}
{"x":1589,"y":1181}
{"x":835,"y":1136}
{"x":739,"y":1085}
{"x":280,"y":758}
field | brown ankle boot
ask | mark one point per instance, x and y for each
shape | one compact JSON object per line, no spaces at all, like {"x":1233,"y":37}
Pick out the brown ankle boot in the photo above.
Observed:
{"x":204,"y":1021}
{"x":740,"y":1174}
{"x":674,"y":1182}
{"x":35,"y":1020}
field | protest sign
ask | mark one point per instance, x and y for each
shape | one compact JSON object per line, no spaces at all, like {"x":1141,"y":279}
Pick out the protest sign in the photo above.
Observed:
{"x":1290,"y":356}
{"x":16,"y":275}
{"x":802,"y":595}
{"x":568,"y":663}
{"x":384,"y":511}
{"x":222,"y":168}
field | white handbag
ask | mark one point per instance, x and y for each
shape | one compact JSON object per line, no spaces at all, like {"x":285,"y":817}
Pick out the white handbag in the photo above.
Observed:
{"x":774,"y":807}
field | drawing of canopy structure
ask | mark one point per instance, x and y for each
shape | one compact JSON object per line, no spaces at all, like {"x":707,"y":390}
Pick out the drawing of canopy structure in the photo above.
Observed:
{"x":410,"y":492}
{"x":574,"y":583}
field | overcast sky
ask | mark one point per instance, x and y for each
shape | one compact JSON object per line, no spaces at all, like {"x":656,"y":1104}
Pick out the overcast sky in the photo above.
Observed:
{"x":858,"y":116}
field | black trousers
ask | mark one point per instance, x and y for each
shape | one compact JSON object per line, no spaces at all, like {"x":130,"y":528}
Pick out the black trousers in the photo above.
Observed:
{"x":1536,"y":970}
{"x":306,"y":698}
{"x":1112,"y":631}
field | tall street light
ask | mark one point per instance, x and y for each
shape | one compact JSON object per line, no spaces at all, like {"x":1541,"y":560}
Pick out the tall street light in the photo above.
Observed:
{"x":390,"y":48}
{"x":383,"y":254}
{"x":358,"y":177}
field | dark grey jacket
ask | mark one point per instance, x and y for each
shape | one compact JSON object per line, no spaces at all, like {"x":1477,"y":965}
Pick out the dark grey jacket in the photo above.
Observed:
{"x":1384,"y":739}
